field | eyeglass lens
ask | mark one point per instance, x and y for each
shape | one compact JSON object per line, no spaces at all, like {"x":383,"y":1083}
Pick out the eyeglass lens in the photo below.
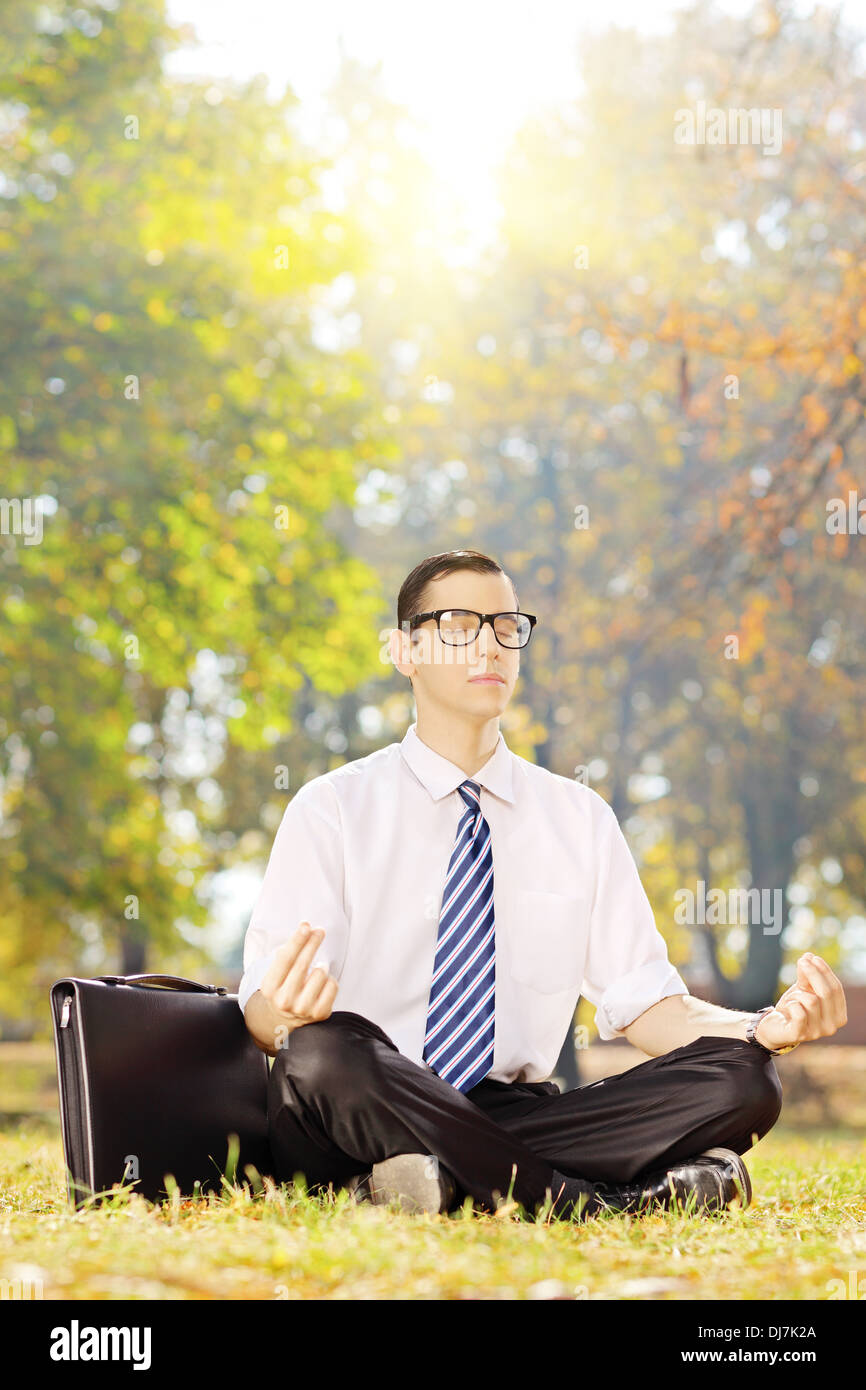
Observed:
{"x":458,"y":627}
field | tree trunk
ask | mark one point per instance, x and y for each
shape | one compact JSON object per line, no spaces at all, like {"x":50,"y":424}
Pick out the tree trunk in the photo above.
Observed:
{"x":770,"y":808}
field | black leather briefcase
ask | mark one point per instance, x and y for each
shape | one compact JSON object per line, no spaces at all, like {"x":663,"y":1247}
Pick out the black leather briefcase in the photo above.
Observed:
{"x":156,"y":1074}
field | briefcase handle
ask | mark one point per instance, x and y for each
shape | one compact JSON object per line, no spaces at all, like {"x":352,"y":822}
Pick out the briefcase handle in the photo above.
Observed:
{"x":170,"y":982}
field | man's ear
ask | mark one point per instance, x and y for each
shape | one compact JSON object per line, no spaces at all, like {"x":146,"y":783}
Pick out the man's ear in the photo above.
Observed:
{"x":399,"y":648}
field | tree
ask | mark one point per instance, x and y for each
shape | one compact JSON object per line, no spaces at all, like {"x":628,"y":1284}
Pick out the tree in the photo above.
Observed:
{"x":162,"y":390}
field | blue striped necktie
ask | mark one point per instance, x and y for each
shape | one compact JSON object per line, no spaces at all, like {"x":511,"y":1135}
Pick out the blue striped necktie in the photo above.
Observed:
{"x":458,"y":1044}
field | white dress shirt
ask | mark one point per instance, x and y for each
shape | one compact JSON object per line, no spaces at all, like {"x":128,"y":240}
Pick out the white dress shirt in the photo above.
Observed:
{"x":363,"y":852}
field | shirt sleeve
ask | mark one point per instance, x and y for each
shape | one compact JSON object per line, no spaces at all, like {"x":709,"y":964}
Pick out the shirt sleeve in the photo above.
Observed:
{"x":627,"y":966}
{"x":303,"y":882}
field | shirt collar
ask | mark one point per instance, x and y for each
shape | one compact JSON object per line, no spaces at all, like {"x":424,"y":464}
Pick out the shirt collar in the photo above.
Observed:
{"x":440,"y":776}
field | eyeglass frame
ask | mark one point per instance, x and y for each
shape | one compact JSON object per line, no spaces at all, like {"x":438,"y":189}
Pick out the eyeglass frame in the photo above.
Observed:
{"x":484,"y":618}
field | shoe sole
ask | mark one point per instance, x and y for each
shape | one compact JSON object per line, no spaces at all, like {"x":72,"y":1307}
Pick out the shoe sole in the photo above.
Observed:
{"x":742,"y":1181}
{"x":414,"y":1182}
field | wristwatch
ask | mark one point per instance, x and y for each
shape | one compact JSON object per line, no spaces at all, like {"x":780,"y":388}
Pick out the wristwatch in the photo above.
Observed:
{"x":750,"y":1034}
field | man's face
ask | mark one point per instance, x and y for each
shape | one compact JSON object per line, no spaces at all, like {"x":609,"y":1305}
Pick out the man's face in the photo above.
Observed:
{"x":449,"y":676}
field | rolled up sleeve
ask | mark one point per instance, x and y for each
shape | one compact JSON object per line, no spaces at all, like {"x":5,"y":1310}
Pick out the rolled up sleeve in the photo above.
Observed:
{"x":303,"y":882}
{"x":627,"y":967}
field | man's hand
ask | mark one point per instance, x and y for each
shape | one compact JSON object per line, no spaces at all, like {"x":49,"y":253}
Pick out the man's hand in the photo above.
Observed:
{"x":293,"y":997}
{"x":814,"y":1007}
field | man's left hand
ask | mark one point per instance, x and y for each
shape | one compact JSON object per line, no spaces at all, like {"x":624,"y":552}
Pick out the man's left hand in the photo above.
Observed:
{"x":814,"y":1007}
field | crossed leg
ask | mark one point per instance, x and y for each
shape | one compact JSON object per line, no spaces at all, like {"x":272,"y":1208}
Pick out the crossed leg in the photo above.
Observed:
{"x":716,"y":1091}
{"x":342,"y":1097}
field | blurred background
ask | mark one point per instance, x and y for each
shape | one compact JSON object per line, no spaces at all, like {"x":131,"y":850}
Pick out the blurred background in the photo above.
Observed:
{"x":294,"y":299}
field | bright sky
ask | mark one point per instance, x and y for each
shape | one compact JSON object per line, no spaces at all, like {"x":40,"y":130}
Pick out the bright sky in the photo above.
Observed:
{"x":469,"y":70}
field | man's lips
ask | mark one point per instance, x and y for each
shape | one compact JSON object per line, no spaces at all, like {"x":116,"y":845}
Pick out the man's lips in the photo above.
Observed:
{"x":489,"y":677}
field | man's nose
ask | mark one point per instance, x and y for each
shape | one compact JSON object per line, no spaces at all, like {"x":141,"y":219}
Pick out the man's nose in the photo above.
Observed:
{"x":485,"y":642}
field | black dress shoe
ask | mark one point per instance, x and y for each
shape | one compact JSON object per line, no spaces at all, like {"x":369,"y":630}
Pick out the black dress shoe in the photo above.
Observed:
{"x":717,"y":1179}
{"x":416,"y":1182}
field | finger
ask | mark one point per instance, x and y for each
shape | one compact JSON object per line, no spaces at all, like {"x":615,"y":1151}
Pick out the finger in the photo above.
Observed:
{"x":804,"y":979}
{"x":276,"y":971}
{"x":325,"y":1002}
{"x":814,"y":976}
{"x":817,"y":980}
{"x":324,"y":991}
{"x":796,"y":995}
{"x":836,"y":997}
{"x":821,"y":988}
{"x":296,"y":974}
{"x":307,"y":996}
{"x":284,"y":957}
{"x":824,"y":968}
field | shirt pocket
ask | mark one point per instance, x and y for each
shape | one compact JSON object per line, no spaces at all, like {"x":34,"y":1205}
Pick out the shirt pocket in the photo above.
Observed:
{"x":548,"y":939}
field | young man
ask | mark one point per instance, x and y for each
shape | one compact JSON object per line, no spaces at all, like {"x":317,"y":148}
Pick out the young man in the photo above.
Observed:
{"x":460,"y":900}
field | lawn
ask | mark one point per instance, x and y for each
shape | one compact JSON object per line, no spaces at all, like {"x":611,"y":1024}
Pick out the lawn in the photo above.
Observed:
{"x":806,"y":1227}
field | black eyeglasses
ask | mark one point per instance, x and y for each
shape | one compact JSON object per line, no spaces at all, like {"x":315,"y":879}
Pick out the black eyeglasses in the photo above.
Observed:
{"x":460,"y":626}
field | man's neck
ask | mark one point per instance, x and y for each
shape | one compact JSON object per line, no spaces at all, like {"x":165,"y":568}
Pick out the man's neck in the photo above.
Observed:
{"x":467,"y":745}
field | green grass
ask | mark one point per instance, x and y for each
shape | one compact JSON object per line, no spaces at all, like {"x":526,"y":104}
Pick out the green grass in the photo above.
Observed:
{"x":805,"y":1227}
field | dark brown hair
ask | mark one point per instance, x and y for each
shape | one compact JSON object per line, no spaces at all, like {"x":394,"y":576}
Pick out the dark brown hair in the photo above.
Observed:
{"x":410,"y":599}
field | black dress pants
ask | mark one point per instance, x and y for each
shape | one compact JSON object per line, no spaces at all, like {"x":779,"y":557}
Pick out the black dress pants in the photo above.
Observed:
{"x":342,"y":1097}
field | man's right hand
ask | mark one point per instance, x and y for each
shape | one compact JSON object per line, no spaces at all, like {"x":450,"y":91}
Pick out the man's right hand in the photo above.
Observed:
{"x":289,"y":999}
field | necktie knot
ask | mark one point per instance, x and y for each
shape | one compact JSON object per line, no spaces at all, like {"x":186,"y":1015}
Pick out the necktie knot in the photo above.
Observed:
{"x":471,"y":793}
